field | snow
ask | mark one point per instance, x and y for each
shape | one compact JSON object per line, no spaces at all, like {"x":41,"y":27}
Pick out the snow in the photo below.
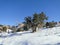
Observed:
{"x":8,"y":30}
{"x":49,"y":36}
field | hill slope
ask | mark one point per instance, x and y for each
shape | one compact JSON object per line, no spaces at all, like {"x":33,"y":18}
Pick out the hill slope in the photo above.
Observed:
{"x":50,"y":36}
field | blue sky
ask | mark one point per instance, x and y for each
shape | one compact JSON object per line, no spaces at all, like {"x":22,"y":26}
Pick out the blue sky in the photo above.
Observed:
{"x":14,"y":11}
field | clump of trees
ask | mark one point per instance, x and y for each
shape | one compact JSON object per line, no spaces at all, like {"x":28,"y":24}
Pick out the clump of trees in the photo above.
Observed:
{"x":35,"y":20}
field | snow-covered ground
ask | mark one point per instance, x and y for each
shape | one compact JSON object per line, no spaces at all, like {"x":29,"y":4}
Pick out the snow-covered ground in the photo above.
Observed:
{"x":50,"y":36}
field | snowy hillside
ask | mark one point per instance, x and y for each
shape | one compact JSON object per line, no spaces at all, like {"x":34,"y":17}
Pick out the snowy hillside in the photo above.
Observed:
{"x":50,"y":36}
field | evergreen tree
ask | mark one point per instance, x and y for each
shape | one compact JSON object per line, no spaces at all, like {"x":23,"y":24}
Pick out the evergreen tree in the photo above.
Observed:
{"x":28,"y":22}
{"x":35,"y":21}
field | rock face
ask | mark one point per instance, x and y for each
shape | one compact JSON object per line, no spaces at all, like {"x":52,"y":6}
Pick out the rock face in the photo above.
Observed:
{"x":20,"y":25}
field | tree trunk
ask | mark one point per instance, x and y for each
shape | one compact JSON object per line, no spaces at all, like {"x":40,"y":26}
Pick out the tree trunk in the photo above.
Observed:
{"x":34,"y":29}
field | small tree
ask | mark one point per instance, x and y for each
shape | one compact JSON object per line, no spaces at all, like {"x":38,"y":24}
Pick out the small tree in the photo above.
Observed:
{"x":47,"y":24}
